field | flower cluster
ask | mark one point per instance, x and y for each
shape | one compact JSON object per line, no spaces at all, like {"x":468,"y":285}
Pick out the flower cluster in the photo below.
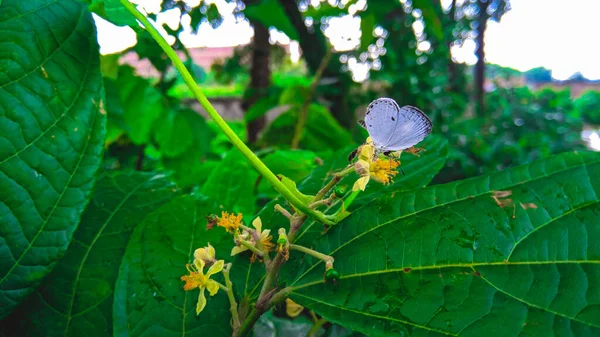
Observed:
{"x":198,"y":279}
{"x":256,"y":240}
{"x":369,"y":166}
{"x":246,"y":239}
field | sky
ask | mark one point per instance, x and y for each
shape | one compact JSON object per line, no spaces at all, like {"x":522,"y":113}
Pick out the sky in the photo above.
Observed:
{"x":534,"y":33}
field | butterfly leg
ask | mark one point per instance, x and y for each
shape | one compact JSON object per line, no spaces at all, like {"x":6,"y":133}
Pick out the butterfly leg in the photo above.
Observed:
{"x":415,"y":150}
{"x":362,"y":123}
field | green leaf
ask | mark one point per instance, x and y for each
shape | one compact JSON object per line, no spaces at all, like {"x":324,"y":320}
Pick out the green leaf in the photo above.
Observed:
{"x":78,"y":294}
{"x":232,"y":184}
{"x":271,"y":14}
{"x":515,"y":249}
{"x":118,"y":14}
{"x":174,"y":133}
{"x":321,"y":131}
{"x":260,"y":108}
{"x":291,"y":186}
{"x":149,"y":297}
{"x":52,"y":126}
{"x":142,"y":105}
{"x":294,"y":164}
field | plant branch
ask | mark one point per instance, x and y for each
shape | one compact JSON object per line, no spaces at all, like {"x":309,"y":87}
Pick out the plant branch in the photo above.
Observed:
{"x":232,"y":303}
{"x":251,"y":247}
{"x":313,"y":253}
{"x":303,"y":115}
{"x":235,"y":140}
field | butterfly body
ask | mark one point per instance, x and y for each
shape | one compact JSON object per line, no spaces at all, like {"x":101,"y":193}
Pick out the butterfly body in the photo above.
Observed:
{"x":393,"y":128}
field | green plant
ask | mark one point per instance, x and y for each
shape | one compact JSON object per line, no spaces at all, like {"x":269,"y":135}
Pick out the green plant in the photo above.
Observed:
{"x":356,"y":243}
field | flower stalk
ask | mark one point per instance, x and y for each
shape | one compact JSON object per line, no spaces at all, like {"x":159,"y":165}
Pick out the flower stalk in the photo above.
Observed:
{"x":235,"y":317}
{"x":313,"y":253}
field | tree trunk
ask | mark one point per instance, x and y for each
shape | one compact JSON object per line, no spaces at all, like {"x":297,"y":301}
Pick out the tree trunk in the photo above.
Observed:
{"x":479,"y":75}
{"x":260,"y":78}
{"x":313,"y":45}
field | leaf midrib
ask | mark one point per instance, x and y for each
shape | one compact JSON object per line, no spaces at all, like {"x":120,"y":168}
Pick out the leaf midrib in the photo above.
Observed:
{"x":91,"y":245}
{"x":376,"y":316}
{"x":458,"y":200}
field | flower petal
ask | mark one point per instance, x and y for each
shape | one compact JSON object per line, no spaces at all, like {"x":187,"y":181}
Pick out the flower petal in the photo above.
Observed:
{"x":211,"y":251}
{"x":257,"y":223}
{"x":265,"y":234}
{"x":212,"y":287}
{"x":360,"y":184}
{"x":199,"y":264}
{"x":238,"y":249}
{"x":201,"y":301}
{"x":215,"y":268}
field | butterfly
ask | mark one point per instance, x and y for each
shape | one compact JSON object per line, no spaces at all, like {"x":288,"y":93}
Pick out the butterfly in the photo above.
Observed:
{"x":393,"y":128}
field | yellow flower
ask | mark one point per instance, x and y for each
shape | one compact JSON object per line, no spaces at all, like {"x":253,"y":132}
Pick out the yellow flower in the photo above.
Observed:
{"x":368,"y":166}
{"x":384,"y":170}
{"x":197,"y":279}
{"x":206,"y":254}
{"x":265,"y":239}
{"x":229,"y":221}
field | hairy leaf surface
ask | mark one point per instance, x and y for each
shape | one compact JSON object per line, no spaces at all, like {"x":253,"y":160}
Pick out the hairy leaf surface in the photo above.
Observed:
{"x":514,"y":252}
{"x":52,"y":126}
{"x":78,"y":295}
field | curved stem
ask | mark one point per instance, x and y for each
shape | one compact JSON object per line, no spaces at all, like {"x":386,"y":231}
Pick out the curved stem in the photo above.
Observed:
{"x":235,"y":140}
{"x":251,"y":247}
{"x":303,"y":114}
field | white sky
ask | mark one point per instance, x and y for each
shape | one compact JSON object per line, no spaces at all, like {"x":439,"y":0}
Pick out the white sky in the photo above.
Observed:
{"x":548,"y":33}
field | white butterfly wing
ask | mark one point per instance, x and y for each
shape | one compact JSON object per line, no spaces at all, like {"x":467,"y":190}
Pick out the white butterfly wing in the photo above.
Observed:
{"x":411,"y":128}
{"x":380,"y":120}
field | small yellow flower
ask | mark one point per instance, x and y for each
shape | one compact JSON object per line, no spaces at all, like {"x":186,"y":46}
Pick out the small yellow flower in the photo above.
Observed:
{"x":265,"y":239}
{"x":206,"y":254}
{"x":197,"y":279}
{"x":368,"y":166}
{"x":384,"y":170}
{"x":229,"y":221}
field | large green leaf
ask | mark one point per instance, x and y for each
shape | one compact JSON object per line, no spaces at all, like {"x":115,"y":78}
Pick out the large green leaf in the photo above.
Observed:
{"x":52,"y":126}
{"x":293,"y":164}
{"x":149,"y":297}
{"x":190,"y":167}
{"x":506,"y":254}
{"x":78,"y":294}
{"x":419,"y":172}
{"x":321,"y":131}
{"x":142,"y":105}
{"x":232,"y":184}
{"x":271,"y":14}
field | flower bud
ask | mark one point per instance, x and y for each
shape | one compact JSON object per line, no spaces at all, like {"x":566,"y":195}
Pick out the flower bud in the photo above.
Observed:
{"x":206,"y":254}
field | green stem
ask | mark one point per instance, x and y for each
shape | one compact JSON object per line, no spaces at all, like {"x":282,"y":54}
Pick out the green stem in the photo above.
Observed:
{"x":313,"y":253}
{"x":232,"y":303}
{"x":302,"y":116}
{"x":235,"y":140}
{"x":317,"y":324}
{"x":336,"y":179}
{"x":348,"y":201}
{"x":251,"y":247}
